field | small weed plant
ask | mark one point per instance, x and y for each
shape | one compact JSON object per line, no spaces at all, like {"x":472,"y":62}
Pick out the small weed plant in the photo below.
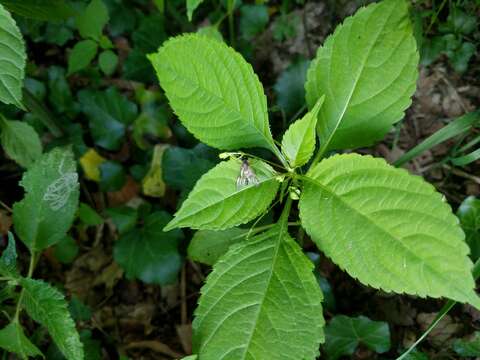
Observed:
{"x":385,"y":227}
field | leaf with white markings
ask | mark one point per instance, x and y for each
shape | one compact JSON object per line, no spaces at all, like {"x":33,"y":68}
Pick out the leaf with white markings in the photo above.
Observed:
{"x":215,"y":93}
{"x":47,"y":211}
{"x":259,"y":294}
{"x":367,"y":71}
{"x":216,"y":202}
{"x":298,"y":143}
{"x":389,"y":229}
{"x":12,"y":61}
{"x":47,"y":306}
{"x":14,"y":340}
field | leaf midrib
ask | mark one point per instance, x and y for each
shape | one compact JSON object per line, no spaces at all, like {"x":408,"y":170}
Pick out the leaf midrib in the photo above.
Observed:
{"x":357,"y":78}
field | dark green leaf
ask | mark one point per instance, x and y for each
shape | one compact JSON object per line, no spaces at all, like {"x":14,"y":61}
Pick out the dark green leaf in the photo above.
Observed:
{"x":123,"y":217}
{"x":191,"y":6}
{"x":150,"y":34}
{"x":78,"y":310}
{"x":8,"y":260}
{"x":66,"y":250}
{"x":108,"y":61}
{"x":468,"y":348}
{"x":20,"y":141}
{"x":81,"y":55}
{"x":91,"y":22}
{"x":343,"y":335}
{"x":461,"y":56}
{"x":109,"y":113}
{"x":93,"y":348}
{"x":112,"y":176}
{"x":253,"y":20}
{"x":469,"y":215}
{"x":59,"y":94}
{"x":183,"y":167}
{"x":207,"y":246}
{"x":290,"y":89}
{"x":14,"y":340}
{"x":89,"y":216}
{"x":148,"y":253}
{"x":40,"y":9}
{"x":137,"y":67}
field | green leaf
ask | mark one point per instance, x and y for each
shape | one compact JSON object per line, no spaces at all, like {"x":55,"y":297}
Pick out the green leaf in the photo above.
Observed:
{"x":91,"y":22}
{"x":12,"y":61}
{"x":367,"y":71}
{"x":191,"y":7}
{"x":343,"y":334}
{"x":89,"y":216}
{"x":47,"y":211}
{"x":59,"y":93}
{"x":112,"y":176}
{"x":217,"y":203}
{"x":253,"y":20}
{"x":469,"y":215}
{"x":208,"y":246}
{"x":108,"y":113}
{"x":93,"y":347}
{"x":66,"y":250}
{"x":298,"y":143}
{"x":150,"y":34}
{"x":137,"y":67}
{"x":78,"y":310}
{"x":123,"y":217}
{"x":47,"y":306}
{"x":290,"y":87}
{"x":81,"y":55}
{"x":215,"y":94}
{"x":20,"y":141}
{"x":461,"y":56}
{"x":211,"y":32}
{"x":181,"y":168}
{"x":262,"y":297}
{"x":108,"y":61}
{"x":387,"y":228}
{"x":468,"y":348}
{"x":148,"y":253}
{"x":14,"y":340}
{"x":40,"y":9}
{"x":8,"y":260}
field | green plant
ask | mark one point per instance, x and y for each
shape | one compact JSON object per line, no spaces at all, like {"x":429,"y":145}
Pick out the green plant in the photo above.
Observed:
{"x":387,"y":228}
{"x":44,"y":215}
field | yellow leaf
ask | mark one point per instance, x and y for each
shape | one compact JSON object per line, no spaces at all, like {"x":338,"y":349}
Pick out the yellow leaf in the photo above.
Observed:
{"x":91,"y":162}
{"x":153,"y":184}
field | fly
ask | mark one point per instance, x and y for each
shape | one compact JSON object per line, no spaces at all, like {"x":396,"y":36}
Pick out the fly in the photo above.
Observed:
{"x":247,"y":175}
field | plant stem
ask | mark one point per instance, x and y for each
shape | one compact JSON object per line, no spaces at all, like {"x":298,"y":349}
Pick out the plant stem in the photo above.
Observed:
{"x":443,"y":311}
{"x":41,"y":111}
{"x":231,"y":22}
{"x":31,"y":267}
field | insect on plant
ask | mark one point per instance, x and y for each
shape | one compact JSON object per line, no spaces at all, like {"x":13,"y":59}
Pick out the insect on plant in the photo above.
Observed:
{"x":385,"y":227}
{"x":247,"y":175}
